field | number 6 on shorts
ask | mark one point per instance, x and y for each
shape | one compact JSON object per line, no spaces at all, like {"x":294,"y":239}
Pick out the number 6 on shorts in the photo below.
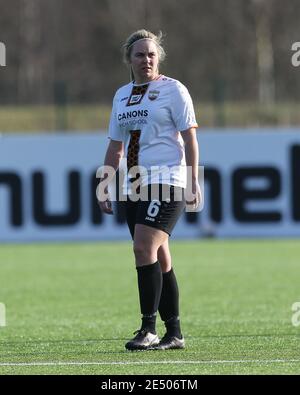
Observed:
{"x":153,"y":208}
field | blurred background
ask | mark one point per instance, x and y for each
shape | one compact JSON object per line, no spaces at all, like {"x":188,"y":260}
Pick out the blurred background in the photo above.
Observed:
{"x":64,"y":300}
{"x":64,"y":59}
{"x":63,"y":66}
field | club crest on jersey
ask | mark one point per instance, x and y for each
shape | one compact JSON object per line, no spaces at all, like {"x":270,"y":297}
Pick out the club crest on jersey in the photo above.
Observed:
{"x":153,"y":94}
{"x":134,"y":99}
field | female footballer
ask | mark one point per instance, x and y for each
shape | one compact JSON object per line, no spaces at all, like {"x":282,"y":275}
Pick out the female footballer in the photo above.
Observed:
{"x":153,"y":125}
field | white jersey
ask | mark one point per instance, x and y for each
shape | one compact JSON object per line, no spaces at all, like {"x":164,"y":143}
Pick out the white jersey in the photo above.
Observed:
{"x":148,"y":118}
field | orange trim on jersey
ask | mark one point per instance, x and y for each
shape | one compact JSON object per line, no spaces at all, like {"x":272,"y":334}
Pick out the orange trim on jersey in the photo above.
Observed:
{"x":188,"y":128}
{"x":193,"y":126}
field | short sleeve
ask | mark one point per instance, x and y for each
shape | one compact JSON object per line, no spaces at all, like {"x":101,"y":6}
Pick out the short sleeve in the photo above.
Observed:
{"x":114,"y":131}
{"x":182,"y":108}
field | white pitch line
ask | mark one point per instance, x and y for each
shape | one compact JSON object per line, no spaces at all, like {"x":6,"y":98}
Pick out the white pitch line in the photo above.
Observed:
{"x":58,"y":363}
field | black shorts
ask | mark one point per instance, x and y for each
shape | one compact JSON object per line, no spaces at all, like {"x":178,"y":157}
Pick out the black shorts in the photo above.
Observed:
{"x":159,"y":212}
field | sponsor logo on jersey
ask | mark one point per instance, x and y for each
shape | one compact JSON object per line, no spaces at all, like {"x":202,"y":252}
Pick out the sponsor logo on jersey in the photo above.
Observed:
{"x":153,"y":94}
{"x":134,"y":99}
{"x":132,"y":114}
{"x":149,"y":219}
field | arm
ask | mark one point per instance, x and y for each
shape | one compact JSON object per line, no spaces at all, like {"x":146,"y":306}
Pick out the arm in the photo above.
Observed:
{"x":114,"y":154}
{"x":112,"y":160}
{"x":192,"y":161}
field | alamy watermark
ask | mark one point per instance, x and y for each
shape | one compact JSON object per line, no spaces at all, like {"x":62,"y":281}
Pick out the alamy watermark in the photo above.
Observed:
{"x":296,"y":56}
{"x":151,"y":184}
{"x":296,"y":315}
{"x":2,"y":315}
{"x":2,"y":54}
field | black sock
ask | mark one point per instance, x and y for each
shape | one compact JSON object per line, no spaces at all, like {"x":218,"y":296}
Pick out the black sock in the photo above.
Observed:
{"x":169,"y":304}
{"x":150,"y":284}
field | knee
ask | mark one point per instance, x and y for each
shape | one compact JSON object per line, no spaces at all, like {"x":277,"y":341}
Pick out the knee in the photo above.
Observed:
{"x":166,"y":266}
{"x":164,"y":260}
{"x":143,"y":253}
{"x":140,"y":249}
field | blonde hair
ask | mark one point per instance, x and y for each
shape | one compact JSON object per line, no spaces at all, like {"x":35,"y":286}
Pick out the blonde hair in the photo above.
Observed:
{"x":143,"y":34}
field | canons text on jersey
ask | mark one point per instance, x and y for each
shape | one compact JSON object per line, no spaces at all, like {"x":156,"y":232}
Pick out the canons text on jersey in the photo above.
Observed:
{"x":132,"y":114}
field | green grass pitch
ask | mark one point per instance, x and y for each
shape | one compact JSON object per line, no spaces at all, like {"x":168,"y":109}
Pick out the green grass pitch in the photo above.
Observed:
{"x":70,"y":308}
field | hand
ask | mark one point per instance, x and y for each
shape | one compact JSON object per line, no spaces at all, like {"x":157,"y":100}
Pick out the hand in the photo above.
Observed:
{"x":103,"y":200}
{"x":193,"y":198}
{"x":106,"y":206}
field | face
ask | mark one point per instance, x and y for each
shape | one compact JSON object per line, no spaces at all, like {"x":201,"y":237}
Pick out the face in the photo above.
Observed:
{"x":144,"y":61}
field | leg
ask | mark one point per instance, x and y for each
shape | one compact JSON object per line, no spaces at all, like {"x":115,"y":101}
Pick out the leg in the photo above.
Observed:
{"x":147,"y":241}
{"x":151,"y":245}
{"x":164,"y":257}
{"x":169,"y":301}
